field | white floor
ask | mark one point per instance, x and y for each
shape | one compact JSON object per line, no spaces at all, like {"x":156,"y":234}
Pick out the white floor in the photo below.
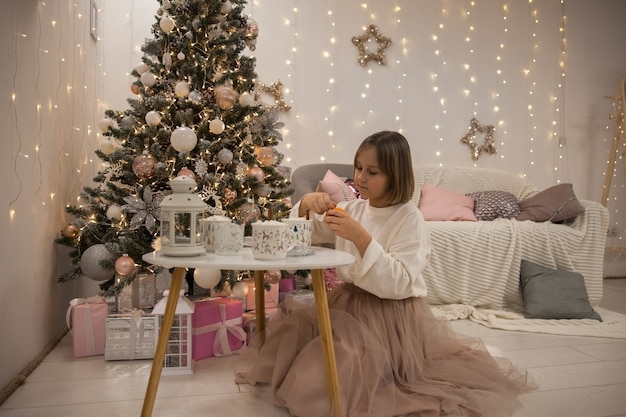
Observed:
{"x":578,"y":377}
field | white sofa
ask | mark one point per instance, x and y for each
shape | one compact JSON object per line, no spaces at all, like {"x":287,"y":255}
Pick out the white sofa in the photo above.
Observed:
{"x":477,"y":263}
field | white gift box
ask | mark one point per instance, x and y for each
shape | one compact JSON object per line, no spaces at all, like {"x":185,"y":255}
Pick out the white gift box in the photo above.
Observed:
{"x":130,"y":336}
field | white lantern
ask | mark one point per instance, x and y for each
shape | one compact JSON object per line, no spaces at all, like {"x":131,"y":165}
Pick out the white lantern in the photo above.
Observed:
{"x":178,"y":359}
{"x":181,"y":219}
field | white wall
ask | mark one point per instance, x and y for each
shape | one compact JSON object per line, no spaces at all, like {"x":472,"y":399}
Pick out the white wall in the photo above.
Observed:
{"x":50,"y":64}
{"x":49,"y":154}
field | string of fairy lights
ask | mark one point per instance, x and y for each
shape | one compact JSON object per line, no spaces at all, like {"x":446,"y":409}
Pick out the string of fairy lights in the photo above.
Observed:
{"x":68,"y":25}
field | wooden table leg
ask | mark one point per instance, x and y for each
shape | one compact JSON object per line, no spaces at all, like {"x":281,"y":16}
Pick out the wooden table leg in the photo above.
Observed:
{"x":259,"y":300}
{"x":328,"y":348}
{"x":164,"y":337}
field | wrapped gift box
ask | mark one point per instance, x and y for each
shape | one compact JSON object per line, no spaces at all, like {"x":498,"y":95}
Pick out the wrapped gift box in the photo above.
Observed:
{"x":141,"y":293}
{"x":271,"y":296}
{"x":217,"y":328}
{"x":130,"y":336}
{"x":297,"y":299}
{"x":85,"y":319}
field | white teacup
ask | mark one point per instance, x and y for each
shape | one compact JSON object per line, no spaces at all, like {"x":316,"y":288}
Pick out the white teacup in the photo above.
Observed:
{"x":303,"y":229}
{"x":272,"y":240}
{"x":208,"y":231}
{"x":228,"y":238}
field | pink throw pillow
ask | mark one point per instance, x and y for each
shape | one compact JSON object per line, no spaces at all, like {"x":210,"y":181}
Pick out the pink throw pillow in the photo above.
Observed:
{"x":438,"y":203}
{"x":335,"y":187}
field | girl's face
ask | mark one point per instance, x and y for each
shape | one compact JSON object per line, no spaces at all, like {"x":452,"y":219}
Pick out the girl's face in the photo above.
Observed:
{"x":371,"y":182}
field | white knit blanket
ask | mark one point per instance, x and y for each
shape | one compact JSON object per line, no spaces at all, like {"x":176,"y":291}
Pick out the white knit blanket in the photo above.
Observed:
{"x":612,"y":326}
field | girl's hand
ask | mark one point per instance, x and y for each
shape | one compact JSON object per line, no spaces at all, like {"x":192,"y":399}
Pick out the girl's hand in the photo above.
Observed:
{"x":317,"y":202}
{"x":347,"y":228}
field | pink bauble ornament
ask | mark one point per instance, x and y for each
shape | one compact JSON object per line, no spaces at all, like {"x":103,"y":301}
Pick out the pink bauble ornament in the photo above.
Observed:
{"x":70,"y":231}
{"x":216,"y":126}
{"x":252,"y":28}
{"x":124,"y":265}
{"x":226,"y":97}
{"x":256,"y":173}
{"x":187,"y":172}
{"x":272,"y":276}
{"x":240,"y":289}
{"x":183,"y":139}
{"x":266,"y":155}
{"x":207,"y":278}
{"x":144,"y":165}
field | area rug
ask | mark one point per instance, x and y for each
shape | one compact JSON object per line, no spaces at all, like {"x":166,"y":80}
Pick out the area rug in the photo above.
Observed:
{"x":613,"y":325}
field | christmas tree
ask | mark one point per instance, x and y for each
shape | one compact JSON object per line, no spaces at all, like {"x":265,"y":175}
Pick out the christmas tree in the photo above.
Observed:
{"x":198,"y":112}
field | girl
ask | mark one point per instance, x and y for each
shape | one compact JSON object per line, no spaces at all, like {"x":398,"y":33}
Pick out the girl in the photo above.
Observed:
{"x":394,"y":358}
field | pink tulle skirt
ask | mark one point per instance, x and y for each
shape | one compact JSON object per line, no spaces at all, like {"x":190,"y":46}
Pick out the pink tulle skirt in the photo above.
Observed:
{"x":394,"y":358}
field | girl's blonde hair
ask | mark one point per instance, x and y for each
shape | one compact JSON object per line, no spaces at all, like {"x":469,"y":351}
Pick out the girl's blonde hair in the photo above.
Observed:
{"x":394,"y":160}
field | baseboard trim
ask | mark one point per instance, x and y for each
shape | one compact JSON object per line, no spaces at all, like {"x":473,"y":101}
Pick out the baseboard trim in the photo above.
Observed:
{"x":21,"y":378}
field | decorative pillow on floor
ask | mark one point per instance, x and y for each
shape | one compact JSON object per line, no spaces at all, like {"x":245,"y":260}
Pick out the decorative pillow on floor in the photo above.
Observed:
{"x":335,"y":187}
{"x":438,"y":203}
{"x":491,"y":205}
{"x":554,"y":294}
{"x":557,"y":203}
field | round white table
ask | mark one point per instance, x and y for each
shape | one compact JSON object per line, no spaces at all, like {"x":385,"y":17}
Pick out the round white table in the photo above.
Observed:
{"x":322,"y":258}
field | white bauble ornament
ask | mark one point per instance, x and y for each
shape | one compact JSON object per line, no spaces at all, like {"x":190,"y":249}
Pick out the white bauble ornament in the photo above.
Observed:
{"x":153,"y":118}
{"x":225,"y":156}
{"x":195,"y":97}
{"x":227,"y":7}
{"x":141,"y":68}
{"x":183,"y":139}
{"x":216,"y":126}
{"x":207,"y":277}
{"x":107,"y":147}
{"x":124,"y":265}
{"x":181,"y":89}
{"x":240,"y":289}
{"x":180,"y":56}
{"x":114,"y":212}
{"x":246,"y":99}
{"x":90,"y":263}
{"x":105,"y":124}
{"x":167,"y":24}
{"x":307,"y":280}
{"x":148,"y":79}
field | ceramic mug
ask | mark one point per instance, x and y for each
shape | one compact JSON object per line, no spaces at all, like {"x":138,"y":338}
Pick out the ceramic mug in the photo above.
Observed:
{"x":272,"y":240}
{"x":228,"y":238}
{"x":303,"y":229}
{"x":208,"y":231}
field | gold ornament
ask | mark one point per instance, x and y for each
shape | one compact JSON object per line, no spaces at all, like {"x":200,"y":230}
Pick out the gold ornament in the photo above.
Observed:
{"x":229,"y":195}
{"x":70,"y":231}
{"x":487,"y":146}
{"x":144,"y":165}
{"x":272,"y":276}
{"x":276,"y":91}
{"x":365,"y":55}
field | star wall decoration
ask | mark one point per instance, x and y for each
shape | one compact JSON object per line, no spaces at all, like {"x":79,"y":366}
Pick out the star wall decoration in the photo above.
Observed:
{"x":469,"y":139}
{"x":276,"y":91}
{"x":365,"y":53}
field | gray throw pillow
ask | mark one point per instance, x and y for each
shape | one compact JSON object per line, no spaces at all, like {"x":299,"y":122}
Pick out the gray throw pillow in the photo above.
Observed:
{"x":554,"y":294}
{"x":556,"y":204}
{"x":491,"y":205}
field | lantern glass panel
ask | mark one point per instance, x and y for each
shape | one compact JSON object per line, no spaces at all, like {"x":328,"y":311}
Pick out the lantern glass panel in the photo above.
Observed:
{"x":165,"y":231}
{"x":183,"y":228}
